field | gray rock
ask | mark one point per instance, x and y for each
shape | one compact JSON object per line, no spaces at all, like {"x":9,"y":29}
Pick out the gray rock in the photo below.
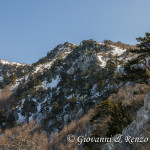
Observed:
{"x":138,"y":129}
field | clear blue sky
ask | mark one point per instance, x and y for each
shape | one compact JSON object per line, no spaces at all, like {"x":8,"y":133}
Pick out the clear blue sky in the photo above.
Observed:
{"x":30,"y":28}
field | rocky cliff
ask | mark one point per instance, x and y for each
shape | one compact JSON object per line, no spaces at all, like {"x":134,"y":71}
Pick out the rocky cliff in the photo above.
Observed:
{"x":135,"y":136}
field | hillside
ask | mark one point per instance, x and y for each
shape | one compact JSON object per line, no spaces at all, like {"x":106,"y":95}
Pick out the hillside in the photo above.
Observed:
{"x":64,"y":88}
{"x":70,"y":78}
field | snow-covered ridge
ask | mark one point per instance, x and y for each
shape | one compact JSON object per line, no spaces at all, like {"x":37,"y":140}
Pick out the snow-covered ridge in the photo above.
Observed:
{"x":116,"y":51}
{"x":5,"y":62}
{"x":61,"y":54}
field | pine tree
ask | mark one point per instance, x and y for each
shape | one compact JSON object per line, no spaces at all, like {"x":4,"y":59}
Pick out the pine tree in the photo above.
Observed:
{"x":6,"y":80}
{"x":134,"y":72}
{"x":103,"y":109}
{"x":120,"y":118}
{"x":13,"y":78}
{"x":2,"y":119}
{"x":143,"y":48}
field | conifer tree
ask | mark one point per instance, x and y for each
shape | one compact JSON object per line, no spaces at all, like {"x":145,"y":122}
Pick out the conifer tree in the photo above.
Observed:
{"x":135,"y":71}
{"x":143,"y":48}
{"x":120,"y":118}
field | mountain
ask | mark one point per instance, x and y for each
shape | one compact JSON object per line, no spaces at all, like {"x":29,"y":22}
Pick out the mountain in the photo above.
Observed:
{"x":65,"y":85}
{"x":67,"y":81}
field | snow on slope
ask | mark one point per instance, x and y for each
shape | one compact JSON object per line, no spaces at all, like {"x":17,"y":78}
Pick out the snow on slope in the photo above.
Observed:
{"x":120,"y":69}
{"x":52,"y":84}
{"x":1,"y":78}
{"x":102,"y":60}
{"x":49,"y":64}
{"x":117,"y":51}
{"x":5,"y":62}
{"x":66,"y":54}
{"x":21,"y":118}
{"x":43,"y":66}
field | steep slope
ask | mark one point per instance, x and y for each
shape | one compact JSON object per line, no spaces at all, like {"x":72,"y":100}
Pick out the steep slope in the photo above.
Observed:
{"x":59,"y":90}
{"x":10,"y":71}
{"x":65,"y":84}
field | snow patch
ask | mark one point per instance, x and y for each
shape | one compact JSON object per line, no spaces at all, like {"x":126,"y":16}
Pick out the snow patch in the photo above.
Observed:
{"x":21,"y":118}
{"x":1,"y":78}
{"x":5,"y":62}
{"x":102,"y":60}
{"x":43,"y":66}
{"x":52,"y":84}
{"x":120,"y":69}
{"x":70,"y":96}
{"x":117,"y":51}
{"x":66,"y":54}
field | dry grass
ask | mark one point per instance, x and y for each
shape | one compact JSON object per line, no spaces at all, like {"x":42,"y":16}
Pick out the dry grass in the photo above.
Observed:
{"x":130,"y":94}
{"x":5,"y":95}
{"x":123,"y":46}
{"x":20,"y":138}
{"x":29,"y":137}
{"x":76,"y":128}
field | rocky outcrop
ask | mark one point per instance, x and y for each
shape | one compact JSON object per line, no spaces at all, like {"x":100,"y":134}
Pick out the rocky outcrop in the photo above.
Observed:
{"x":83,"y":62}
{"x":135,"y":136}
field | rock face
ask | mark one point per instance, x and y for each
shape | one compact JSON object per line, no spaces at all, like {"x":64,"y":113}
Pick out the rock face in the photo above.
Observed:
{"x":83,"y":62}
{"x":135,"y":136}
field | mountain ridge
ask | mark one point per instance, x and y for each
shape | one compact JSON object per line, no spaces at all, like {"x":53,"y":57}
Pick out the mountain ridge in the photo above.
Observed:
{"x":64,"y":85}
{"x":69,"y":60}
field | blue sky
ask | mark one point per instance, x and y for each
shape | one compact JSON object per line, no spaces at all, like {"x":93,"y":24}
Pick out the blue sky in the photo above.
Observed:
{"x":30,"y":28}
